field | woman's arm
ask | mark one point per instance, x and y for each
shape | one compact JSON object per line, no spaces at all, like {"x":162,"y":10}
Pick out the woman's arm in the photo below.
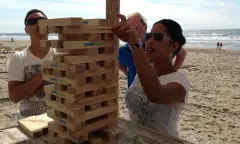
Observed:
{"x":162,"y":94}
{"x":155,"y":92}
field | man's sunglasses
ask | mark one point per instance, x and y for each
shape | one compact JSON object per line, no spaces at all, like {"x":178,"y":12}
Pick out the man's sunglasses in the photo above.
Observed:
{"x":33,"y":21}
{"x":156,"y":36}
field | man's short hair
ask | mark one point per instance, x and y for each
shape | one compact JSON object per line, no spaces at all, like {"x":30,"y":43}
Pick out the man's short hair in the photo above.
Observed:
{"x":33,"y":11}
{"x":137,"y":14}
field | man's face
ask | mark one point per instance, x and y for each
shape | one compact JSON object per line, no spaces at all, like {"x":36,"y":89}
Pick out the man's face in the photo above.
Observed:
{"x":32,"y":27}
{"x":137,"y":26}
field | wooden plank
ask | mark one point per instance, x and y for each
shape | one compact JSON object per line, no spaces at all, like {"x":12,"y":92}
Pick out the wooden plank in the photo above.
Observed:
{"x":63,"y":108}
{"x":94,"y":22}
{"x":90,"y":101}
{"x":82,"y":30}
{"x":89,"y":87}
{"x":81,"y":37}
{"x":79,"y":81}
{"x":87,"y":44}
{"x":71,"y":21}
{"x":86,"y":59}
{"x":80,"y":68}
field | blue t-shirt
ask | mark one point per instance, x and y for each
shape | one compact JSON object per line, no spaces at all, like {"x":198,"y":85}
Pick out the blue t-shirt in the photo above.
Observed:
{"x":125,"y":58}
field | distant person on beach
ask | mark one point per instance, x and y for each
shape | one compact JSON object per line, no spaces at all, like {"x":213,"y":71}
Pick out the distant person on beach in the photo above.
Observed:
{"x":217,"y":45}
{"x":220,"y":45}
{"x":159,"y":92}
{"x":25,"y":80}
{"x":12,"y":40}
{"x":126,"y":63}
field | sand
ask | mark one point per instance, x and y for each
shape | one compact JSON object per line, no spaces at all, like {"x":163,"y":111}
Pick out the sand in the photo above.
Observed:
{"x":213,"y":110}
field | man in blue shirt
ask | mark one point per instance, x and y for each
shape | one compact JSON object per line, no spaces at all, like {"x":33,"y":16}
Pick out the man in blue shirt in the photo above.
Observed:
{"x":126,"y":62}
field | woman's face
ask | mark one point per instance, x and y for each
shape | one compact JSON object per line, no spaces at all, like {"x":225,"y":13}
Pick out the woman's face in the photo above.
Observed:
{"x":160,"y":46}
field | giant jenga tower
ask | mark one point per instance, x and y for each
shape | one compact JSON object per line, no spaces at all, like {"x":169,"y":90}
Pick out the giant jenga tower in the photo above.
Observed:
{"x":84,"y":73}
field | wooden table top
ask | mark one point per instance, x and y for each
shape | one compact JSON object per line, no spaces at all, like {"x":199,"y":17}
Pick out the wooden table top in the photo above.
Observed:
{"x":128,"y":134}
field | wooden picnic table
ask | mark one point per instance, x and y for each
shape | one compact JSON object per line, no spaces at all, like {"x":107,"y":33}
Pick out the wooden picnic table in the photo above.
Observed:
{"x":128,"y":134}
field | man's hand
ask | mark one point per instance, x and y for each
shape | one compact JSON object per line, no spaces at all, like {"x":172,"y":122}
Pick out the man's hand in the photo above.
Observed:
{"x":124,"y":31}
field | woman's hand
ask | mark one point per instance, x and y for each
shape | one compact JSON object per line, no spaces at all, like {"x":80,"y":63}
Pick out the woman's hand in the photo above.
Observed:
{"x":123,"y":30}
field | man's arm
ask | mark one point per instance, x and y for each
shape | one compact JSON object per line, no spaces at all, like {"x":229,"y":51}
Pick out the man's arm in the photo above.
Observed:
{"x":18,"y":90}
{"x":123,"y":69}
{"x":180,"y":59}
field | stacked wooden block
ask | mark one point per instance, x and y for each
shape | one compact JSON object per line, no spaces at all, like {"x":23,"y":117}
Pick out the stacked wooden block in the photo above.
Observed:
{"x":85,"y":76}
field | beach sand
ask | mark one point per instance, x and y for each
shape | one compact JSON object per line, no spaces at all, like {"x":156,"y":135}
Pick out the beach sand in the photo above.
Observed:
{"x":212,"y":113}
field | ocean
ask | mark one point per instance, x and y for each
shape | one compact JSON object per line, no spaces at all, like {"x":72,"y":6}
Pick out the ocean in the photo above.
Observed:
{"x":230,"y":38}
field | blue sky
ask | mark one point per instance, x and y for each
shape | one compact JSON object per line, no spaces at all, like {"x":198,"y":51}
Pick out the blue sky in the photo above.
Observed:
{"x":191,"y":14}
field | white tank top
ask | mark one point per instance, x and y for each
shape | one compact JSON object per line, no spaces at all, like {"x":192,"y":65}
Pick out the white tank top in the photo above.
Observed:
{"x":159,"y":117}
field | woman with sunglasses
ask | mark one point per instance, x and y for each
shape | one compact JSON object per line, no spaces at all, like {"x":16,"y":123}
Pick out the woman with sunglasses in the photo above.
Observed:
{"x":159,"y":92}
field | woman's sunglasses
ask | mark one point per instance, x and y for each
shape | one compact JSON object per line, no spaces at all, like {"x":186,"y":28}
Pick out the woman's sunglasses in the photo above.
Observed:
{"x":156,"y":36}
{"x":33,"y":21}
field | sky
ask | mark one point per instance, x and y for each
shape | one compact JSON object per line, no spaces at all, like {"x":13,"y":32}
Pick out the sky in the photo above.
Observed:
{"x":190,"y":14}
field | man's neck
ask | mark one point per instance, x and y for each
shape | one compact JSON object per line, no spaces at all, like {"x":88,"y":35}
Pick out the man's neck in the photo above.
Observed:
{"x":38,"y":51}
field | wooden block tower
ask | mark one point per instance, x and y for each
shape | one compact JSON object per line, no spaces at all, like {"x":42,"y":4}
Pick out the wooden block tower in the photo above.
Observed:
{"x":84,"y":74}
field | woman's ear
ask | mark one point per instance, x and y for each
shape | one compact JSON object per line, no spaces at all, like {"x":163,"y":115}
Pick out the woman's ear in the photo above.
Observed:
{"x":175,"y":46}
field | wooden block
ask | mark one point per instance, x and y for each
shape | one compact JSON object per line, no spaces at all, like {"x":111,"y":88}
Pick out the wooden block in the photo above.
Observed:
{"x":55,"y":29}
{"x":109,"y":90}
{"x":94,"y":126}
{"x":63,"y":108}
{"x":47,"y":64}
{"x":83,"y":30}
{"x":72,"y":21}
{"x":43,"y":29}
{"x":78,"y":68}
{"x":94,"y":79}
{"x":93,"y":107}
{"x":109,"y":50}
{"x":32,"y":125}
{"x":45,"y":118}
{"x":87,"y":44}
{"x":91,"y":101}
{"x":80,"y":81}
{"x":91,"y":52}
{"x":108,"y":76}
{"x":59,"y":58}
{"x":95,"y":22}
{"x":73,"y":37}
{"x":45,"y":43}
{"x":109,"y":63}
{"x":59,"y":73}
{"x":60,"y":100}
{"x":56,"y":44}
{"x":48,"y":71}
{"x":92,"y":66}
{"x":87,"y":59}
{"x":93,"y":139}
{"x":108,"y":37}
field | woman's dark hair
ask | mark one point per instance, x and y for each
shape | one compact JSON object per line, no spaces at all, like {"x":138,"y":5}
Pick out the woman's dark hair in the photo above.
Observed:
{"x":33,"y":11}
{"x":174,"y":30}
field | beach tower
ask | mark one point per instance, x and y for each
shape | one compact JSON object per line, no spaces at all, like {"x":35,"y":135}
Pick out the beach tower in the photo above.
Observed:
{"x":84,"y":76}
